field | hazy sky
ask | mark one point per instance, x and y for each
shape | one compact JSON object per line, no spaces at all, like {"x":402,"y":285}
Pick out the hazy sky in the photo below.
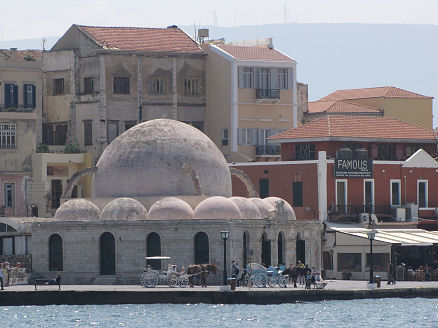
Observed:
{"x":36,"y":19}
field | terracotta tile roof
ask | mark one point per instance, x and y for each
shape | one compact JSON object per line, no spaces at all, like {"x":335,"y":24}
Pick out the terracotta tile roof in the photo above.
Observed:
{"x":341,"y":106}
{"x":255,"y":53}
{"x":388,"y":92}
{"x":343,"y":126}
{"x":143,"y":39}
{"x":22,"y":54}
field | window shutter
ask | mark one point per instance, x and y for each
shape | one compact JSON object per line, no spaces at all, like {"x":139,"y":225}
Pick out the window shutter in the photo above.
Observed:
{"x":240,"y":136}
{"x":25,"y":95}
{"x":253,"y":133}
{"x":33,"y":96}
{"x":240,"y":77}
{"x":256,"y":77}
{"x":274,"y":78}
{"x":290,"y":78}
{"x":260,"y":137}
{"x":7,"y":95}
{"x":15,"y":95}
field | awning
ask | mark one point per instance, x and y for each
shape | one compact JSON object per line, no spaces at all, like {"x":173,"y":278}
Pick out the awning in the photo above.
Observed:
{"x":403,"y":237}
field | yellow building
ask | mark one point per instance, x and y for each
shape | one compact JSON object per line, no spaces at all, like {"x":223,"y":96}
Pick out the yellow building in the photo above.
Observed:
{"x":251,"y":95}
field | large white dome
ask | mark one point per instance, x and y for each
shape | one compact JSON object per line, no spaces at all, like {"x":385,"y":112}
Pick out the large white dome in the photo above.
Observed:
{"x":161,"y":158}
{"x":77,"y":209}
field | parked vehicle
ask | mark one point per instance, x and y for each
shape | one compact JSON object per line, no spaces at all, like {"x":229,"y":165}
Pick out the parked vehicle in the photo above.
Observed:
{"x":172,"y":277}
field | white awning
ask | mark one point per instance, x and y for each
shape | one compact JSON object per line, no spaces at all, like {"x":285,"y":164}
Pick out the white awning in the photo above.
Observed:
{"x":157,"y":258}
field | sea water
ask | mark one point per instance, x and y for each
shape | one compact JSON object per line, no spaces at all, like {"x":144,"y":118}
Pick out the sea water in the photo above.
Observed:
{"x":388,"y":312}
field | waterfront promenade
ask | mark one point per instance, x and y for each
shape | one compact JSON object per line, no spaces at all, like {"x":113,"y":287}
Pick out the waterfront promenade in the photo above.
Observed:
{"x":135,"y":294}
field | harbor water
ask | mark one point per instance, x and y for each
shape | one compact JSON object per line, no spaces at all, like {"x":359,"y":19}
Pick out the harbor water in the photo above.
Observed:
{"x":388,"y":312}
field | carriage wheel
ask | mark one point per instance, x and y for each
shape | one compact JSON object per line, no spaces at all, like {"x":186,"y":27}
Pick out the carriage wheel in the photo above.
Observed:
{"x":282,"y":281}
{"x":183,"y":280}
{"x":172,"y":280}
{"x":149,"y":279}
{"x":260,"y":280}
{"x":272,"y":281}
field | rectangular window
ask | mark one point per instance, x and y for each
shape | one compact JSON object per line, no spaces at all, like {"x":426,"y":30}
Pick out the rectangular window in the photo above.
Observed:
{"x":11,"y":95}
{"x":129,"y":124}
{"x":264,"y":78}
{"x":384,"y":152}
{"x":60,"y":134}
{"x":88,"y":85}
{"x":58,"y":87}
{"x":380,"y":262}
{"x":224,"y":136}
{"x":349,"y":262}
{"x":247,"y":79}
{"x":282,"y":78}
{"x":368,"y":196}
{"x":264,"y":188}
{"x":297,"y":194}
{"x":304,"y":152}
{"x":121,"y":85}
{"x":395,"y":192}
{"x":88,"y":133}
{"x":341,"y":196}
{"x":422,"y":193}
{"x":8,"y":135}
{"x":112,"y":130}
{"x":158,"y":87}
{"x":327,"y":260}
{"x":9,"y":195}
{"x":56,"y":193}
{"x":29,"y":96}
{"x":7,"y":245}
{"x":191,"y":87}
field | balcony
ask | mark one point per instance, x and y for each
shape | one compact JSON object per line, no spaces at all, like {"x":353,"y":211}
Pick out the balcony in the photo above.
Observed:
{"x":267,"y":93}
{"x":262,"y":150}
{"x":19,"y":109}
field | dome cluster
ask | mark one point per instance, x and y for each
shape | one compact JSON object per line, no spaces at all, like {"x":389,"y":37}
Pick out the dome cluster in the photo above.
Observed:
{"x":172,"y":208}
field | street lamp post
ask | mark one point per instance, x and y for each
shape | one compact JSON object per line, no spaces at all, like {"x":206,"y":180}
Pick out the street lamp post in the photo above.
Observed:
{"x":371,"y":236}
{"x":225,"y":235}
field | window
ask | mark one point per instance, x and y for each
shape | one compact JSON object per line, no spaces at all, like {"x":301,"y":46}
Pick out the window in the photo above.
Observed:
{"x":266,"y":250}
{"x":202,"y":252}
{"x":395,"y":192}
{"x":9,"y":195}
{"x":247,"y":77}
{"x":422,"y":193}
{"x":60,"y":134}
{"x":54,"y":134}
{"x":112,"y":130}
{"x":384,"y":152}
{"x":11,"y":95}
{"x":327,"y":260}
{"x":58,"y":87}
{"x":191,"y":87}
{"x":88,"y":85}
{"x":297,"y":194}
{"x":7,"y":245}
{"x":129,"y":124}
{"x":121,"y":85}
{"x":29,"y":97}
{"x":158,"y":87}
{"x":88,"y":133}
{"x":304,"y":152}
{"x":247,"y":136}
{"x":8,"y":133}
{"x":264,"y":188}
{"x":153,"y":248}
{"x":341,"y":196}
{"x":56,"y":193}
{"x":368,"y":196}
{"x":349,"y":262}
{"x":264,"y":78}
{"x":282,"y":78}
{"x":55,"y":253}
{"x":380,"y":262}
{"x":224,"y":136}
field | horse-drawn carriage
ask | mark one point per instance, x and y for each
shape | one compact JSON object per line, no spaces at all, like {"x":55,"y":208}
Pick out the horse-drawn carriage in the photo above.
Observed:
{"x":172,"y":277}
{"x":260,"y":277}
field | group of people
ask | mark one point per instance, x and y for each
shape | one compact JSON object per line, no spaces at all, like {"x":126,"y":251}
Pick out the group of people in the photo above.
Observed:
{"x":5,"y":270}
{"x":422,"y":273}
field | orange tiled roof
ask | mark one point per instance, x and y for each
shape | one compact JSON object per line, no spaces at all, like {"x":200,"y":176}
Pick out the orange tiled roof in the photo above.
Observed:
{"x":388,"y":92}
{"x":143,"y":39}
{"x":341,"y":106}
{"x":343,"y":126}
{"x":255,"y":53}
{"x":22,"y":54}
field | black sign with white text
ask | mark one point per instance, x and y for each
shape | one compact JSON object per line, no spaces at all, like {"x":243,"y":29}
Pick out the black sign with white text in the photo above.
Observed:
{"x":353,"y":168}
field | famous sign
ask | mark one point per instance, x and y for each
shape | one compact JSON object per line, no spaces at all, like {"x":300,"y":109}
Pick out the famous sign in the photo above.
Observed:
{"x":353,"y":168}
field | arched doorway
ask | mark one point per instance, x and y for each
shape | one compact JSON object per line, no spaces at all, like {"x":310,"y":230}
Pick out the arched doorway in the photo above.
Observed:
{"x":153,"y":248}
{"x":245,"y":248}
{"x":55,"y":253}
{"x":107,"y":254}
{"x":301,"y":249}
{"x":266,"y":250}
{"x":202,"y":248}
{"x":280,"y":248}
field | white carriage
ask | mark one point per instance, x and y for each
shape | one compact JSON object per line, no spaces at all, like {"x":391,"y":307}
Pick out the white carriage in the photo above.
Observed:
{"x":172,"y":277}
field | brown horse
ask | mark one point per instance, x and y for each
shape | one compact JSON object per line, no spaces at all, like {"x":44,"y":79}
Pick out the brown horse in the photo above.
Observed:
{"x":202,"y":270}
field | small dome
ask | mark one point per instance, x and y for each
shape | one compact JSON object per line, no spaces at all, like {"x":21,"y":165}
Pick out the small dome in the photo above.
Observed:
{"x":264,"y":207}
{"x":124,"y":209}
{"x":77,"y":209}
{"x":170,"y":208}
{"x":286,"y":206}
{"x":217,"y":207}
{"x":248,"y":209}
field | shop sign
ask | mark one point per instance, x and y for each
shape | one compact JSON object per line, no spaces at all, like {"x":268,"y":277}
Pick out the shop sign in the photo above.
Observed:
{"x":353,"y":168}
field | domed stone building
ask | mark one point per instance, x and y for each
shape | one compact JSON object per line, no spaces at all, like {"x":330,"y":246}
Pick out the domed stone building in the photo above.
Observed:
{"x":164,"y":188}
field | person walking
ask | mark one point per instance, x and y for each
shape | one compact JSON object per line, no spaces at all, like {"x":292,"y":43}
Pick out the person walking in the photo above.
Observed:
{"x":390,"y":272}
{"x":235,"y":270}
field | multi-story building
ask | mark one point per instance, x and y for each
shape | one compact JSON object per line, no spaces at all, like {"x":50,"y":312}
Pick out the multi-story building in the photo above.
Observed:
{"x":251,"y":95}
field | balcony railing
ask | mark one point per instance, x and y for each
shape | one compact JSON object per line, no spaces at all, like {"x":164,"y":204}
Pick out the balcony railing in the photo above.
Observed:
{"x":267,"y":93}
{"x":19,"y":109}
{"x":356,"y":209}
{"x":268,"y":150}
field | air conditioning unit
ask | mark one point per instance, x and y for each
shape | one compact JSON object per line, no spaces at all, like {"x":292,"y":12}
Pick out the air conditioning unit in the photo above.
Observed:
{"x":399,"y":213}
{"x":411,"y":211}
{"x":364,"y":217}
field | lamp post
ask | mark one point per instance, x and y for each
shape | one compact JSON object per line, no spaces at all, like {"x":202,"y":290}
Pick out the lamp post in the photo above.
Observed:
{"x":225,"y":235}
{"x":371,"y":236}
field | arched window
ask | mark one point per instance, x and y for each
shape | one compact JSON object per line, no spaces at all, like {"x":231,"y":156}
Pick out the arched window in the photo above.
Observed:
{"x":245,"y":248}
{"x":266,"y":250}
{"x":280,"y":248}
{"x":301,"y":249}
{"x":153,"y":248}
{"x":107,"y":254}
{"x":55,"y":253}
{"x":202,"y":251}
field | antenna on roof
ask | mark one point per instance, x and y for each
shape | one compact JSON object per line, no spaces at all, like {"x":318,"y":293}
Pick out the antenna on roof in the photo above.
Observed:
{"x":44,"y":43}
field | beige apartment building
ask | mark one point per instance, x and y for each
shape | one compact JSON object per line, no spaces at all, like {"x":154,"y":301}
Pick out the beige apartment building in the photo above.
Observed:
{"x":251,"y":95}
